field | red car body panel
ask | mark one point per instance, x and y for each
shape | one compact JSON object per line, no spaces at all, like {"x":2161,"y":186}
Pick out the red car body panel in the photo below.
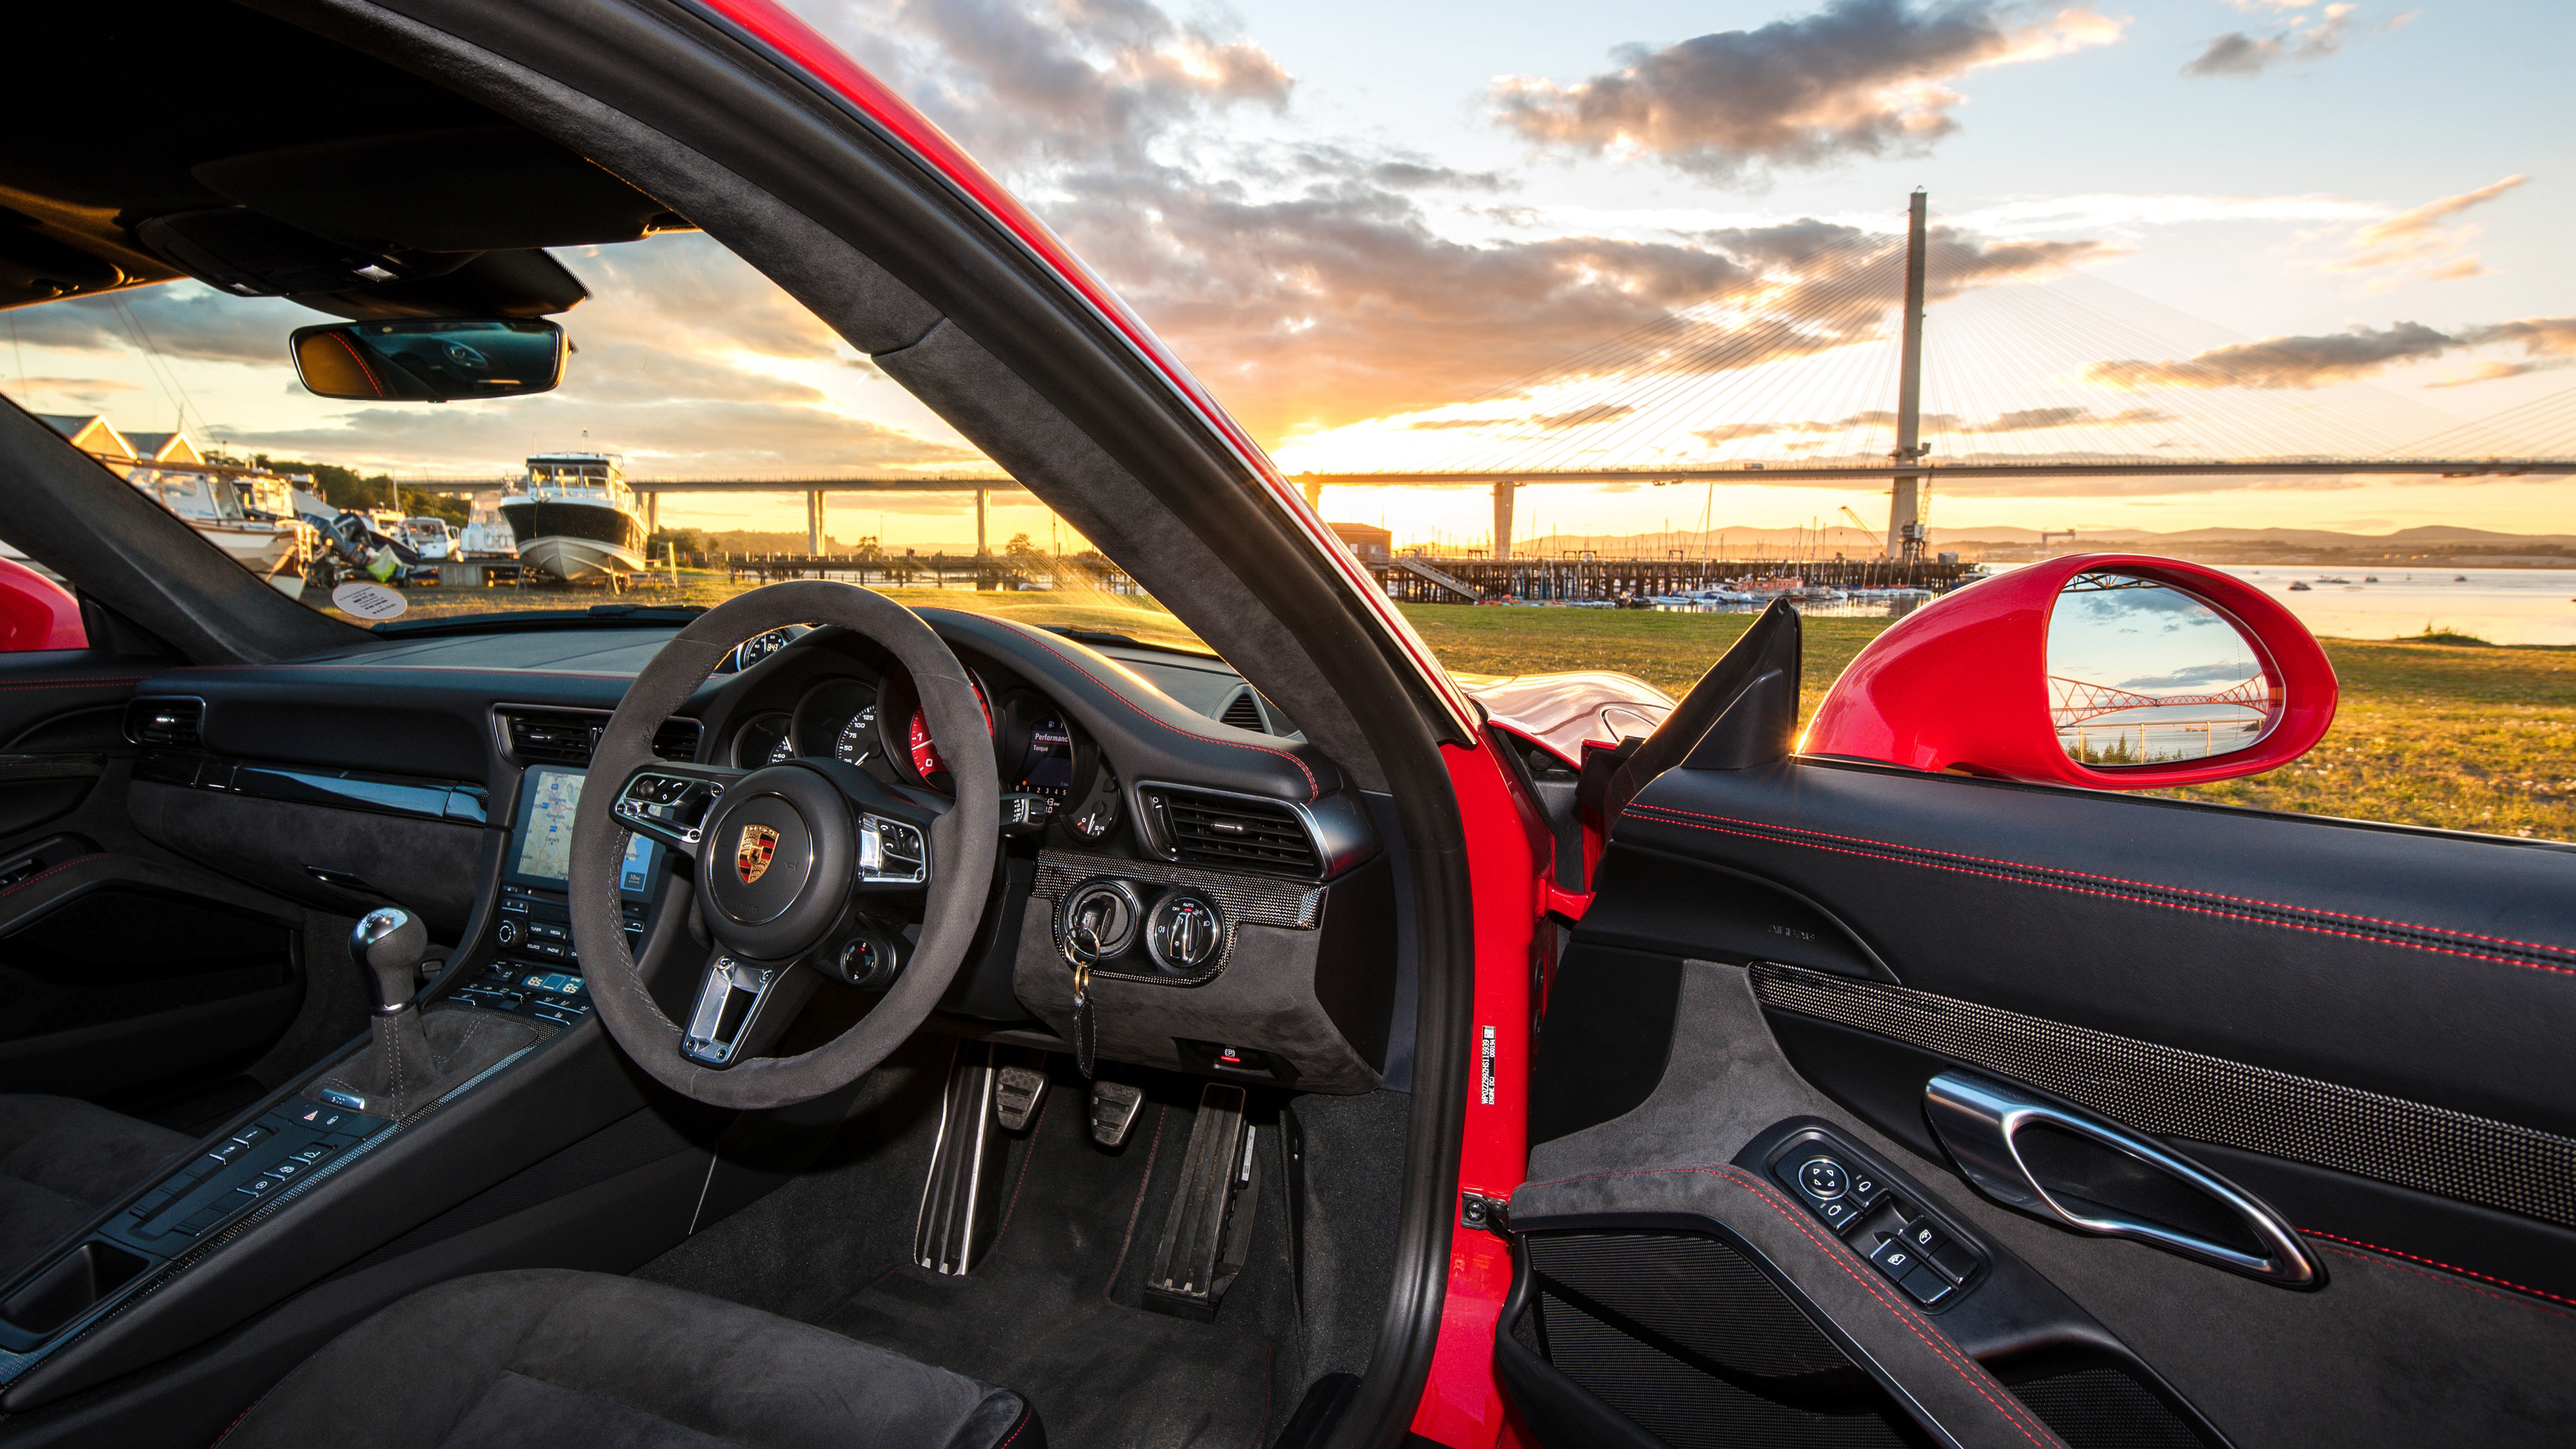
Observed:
{"x":1461,"y":1403}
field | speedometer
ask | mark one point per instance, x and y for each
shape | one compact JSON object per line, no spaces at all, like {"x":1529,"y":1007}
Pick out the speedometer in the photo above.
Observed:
{"x":858,"y":738}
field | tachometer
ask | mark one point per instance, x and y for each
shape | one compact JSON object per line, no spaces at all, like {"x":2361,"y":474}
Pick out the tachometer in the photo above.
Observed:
{"x":858,"y":738}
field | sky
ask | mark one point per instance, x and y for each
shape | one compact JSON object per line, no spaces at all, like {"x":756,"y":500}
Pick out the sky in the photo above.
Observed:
{"x":1401,"y":236}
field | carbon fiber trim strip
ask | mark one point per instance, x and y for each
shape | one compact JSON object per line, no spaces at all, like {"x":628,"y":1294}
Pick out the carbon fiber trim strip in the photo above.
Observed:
{"x":2169,"y":1092}
{"x":1242,"y":899}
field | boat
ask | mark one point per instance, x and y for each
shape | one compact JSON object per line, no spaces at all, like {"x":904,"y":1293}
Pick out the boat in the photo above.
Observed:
{"x":427,"y":537}
{"x":573,"y":516}
{"x":2370,"y":578}
{"x":2299,"y":588}
{"x":2459,"y":578}
{"x":487,"y":533}
{"x":246,"y":512}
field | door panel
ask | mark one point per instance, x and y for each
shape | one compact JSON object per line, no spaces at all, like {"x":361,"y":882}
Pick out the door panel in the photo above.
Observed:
{"x":2363,"y":1027}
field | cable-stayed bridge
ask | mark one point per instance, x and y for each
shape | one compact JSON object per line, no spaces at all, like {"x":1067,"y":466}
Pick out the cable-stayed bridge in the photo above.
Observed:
{"x":1932,"y":360}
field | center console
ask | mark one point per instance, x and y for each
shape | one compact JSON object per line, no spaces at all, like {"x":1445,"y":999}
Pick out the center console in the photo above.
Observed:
{"x":536,"y":971}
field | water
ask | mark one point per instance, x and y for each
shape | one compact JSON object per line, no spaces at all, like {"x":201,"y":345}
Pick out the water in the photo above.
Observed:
{"x":2501,"y":606}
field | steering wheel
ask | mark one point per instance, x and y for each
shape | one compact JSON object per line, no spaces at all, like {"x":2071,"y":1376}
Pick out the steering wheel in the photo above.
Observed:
{"x":784,"y":859}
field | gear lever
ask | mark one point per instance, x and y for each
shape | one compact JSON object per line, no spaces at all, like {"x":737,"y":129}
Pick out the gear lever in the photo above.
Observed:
{"x":388,"y":945}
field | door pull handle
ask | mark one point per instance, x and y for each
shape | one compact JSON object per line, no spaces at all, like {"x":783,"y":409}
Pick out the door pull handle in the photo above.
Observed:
{"x":1980,"y":1121}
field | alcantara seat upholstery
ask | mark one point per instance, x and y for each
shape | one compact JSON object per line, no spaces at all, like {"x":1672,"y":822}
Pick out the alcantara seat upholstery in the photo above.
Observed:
{"x":561,"y":1359}
{"x":61,"y":1160}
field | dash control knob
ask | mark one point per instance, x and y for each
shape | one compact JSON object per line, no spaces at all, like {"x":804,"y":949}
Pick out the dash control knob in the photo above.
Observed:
{"x":507,"y":933}
{"x":1185,"y":933}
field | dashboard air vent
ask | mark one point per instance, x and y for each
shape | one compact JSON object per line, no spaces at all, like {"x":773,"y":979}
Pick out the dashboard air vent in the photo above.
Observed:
{"x":166,"y":723}
{"x":1231,"y":833}
{"x":1244,"y":713}
{"x":567,"y":737}
{"x":553,"y":739}
{"x":677,"y":739}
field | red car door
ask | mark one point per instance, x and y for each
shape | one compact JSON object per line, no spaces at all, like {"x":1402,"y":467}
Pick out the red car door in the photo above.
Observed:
{"x":1888,"y":1105}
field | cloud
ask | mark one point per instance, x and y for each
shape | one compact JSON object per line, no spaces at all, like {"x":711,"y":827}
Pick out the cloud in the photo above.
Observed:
{"x":2421,"y":244}
{"x":2347,"y":356}
{"x":2492,"y":371}
{"x":176,"y":319}
{"x":2197,"y":674}
{"x":2305,"y":40}
{"x":1858,"y":78}
{"x":95,"y":393}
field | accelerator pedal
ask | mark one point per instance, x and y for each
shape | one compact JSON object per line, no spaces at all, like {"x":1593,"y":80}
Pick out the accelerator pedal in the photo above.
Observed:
{"x":1210,"y":1225}
{"x":961,"y":1201}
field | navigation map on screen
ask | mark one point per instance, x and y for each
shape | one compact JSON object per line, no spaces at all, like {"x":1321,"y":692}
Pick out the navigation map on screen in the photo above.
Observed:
{"x":554,"y":797}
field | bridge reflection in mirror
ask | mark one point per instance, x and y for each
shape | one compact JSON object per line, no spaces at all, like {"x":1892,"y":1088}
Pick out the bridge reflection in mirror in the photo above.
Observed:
{"x":2142,"y":673}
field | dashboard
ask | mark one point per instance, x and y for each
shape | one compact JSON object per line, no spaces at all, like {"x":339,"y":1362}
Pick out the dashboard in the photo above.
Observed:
{"x":1228,"y":880}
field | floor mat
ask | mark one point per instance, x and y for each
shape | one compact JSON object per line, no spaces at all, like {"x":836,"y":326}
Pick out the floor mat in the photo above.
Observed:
{"x":1050,"y":1312}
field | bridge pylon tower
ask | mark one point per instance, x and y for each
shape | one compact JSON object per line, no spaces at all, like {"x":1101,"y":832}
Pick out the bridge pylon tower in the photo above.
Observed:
{"x":1905,"y":505}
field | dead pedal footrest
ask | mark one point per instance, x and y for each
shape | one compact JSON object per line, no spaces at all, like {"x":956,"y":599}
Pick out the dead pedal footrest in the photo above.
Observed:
{"x":1210,"y":1224}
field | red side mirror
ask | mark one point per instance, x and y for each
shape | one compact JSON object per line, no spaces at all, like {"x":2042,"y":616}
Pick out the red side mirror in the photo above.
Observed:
{"x":2109,"y":671}
{"x":36,"y":612}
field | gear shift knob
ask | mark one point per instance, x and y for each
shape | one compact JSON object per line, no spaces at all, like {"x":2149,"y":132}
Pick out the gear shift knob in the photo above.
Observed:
{"x":388,"y":945}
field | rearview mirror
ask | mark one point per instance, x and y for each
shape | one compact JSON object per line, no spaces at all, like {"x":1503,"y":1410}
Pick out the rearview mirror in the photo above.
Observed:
{"x":435,"y":359}
{"x":2109,"y":671}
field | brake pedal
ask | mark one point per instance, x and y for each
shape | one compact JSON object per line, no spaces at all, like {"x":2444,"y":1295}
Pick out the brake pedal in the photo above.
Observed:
{"x":1114,"y":1106}
{"x":1017,"y":1091}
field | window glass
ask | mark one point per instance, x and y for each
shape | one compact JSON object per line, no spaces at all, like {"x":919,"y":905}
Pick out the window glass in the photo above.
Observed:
{"x":710,"y":434}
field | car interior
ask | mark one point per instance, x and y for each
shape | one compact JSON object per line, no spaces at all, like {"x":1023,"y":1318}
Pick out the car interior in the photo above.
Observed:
{"x":299,"y":1021}
{"x":813,"y":1020}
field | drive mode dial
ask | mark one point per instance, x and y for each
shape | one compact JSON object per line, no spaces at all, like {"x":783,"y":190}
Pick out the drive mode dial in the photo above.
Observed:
{"x":1185,"y":933}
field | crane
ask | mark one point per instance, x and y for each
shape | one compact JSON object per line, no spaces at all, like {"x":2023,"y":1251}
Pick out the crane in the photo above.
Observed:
{"x":1863,"y":525}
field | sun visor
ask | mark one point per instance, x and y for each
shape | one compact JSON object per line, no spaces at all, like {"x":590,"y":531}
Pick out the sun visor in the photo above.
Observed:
{"x":250,"y":254}
{"x":474,"y":189}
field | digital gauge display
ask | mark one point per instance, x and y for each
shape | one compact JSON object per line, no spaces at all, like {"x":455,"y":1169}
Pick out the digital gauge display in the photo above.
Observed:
{"x":1047,"y":769}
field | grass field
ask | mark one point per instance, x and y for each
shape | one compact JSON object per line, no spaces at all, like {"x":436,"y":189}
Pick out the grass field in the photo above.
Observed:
{"x":2465,"y":736}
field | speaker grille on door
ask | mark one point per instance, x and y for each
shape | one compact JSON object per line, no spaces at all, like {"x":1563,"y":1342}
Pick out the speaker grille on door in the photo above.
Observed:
{"x":2104,"y":1408}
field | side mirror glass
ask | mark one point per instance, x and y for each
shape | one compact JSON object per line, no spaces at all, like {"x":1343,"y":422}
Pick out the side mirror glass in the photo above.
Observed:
{"x":435,"y":359}
{"x":2142,"y":673}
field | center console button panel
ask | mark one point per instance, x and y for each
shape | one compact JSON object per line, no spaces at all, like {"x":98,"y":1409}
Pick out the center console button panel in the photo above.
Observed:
{"x":538,"y":973}
{"x":295,"y":1140}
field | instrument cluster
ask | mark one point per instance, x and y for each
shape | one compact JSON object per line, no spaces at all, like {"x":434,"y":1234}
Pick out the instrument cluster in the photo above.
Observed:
{"x":880,"y":726}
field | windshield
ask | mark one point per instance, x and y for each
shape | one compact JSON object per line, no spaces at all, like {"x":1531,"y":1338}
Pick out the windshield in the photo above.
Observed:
{"x":709,"y":435}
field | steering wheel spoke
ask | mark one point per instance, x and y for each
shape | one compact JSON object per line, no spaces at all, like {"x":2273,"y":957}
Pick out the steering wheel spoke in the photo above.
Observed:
{"x":671,"y":802}
{"x":741,"y":1009}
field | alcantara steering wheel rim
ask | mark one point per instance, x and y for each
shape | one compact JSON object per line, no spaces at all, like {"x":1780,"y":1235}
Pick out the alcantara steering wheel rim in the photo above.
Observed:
{"x":961,"y":846}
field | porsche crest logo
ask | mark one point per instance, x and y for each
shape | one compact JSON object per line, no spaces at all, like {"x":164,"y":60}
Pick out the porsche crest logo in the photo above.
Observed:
{"x":751,"y":857}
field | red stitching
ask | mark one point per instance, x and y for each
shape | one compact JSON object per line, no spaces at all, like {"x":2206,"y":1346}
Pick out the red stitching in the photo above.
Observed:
{"x":2172,"y":905}
{"x":1028,"y":1411}
{"x":1314,"y":790}
{"x":237,"y":1419}
{"x":1913,"y":1322}
{"x":2445,"y":1267}
{"x":99,"y":683}
{"x":2123,"y":880}
{"x":57,"y":870}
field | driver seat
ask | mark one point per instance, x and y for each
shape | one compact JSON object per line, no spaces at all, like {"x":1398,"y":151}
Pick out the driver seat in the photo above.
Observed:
{"x":555,"y":1358}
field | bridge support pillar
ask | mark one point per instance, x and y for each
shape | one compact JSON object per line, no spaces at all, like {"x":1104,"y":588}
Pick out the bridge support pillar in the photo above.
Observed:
{"x":652,"y":512}
{"x":1503,"y":488}
{"x":980,"y":548}
{"x":1314,"y":497}
{"x":814,"y":531}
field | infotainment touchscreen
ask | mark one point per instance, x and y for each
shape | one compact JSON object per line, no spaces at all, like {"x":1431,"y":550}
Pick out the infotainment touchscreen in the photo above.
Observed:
{"x":541,"y":852}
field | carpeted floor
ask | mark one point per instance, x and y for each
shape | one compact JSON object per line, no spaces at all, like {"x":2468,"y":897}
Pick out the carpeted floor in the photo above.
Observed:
{"x":1052,"y":1311}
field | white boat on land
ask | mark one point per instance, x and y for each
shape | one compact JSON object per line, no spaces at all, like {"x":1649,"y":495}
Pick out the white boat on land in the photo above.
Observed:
{"x":428,"y":537}
{"x":574,"y":517}
{"x":249,"y":513}
{"x":487,"y":533}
